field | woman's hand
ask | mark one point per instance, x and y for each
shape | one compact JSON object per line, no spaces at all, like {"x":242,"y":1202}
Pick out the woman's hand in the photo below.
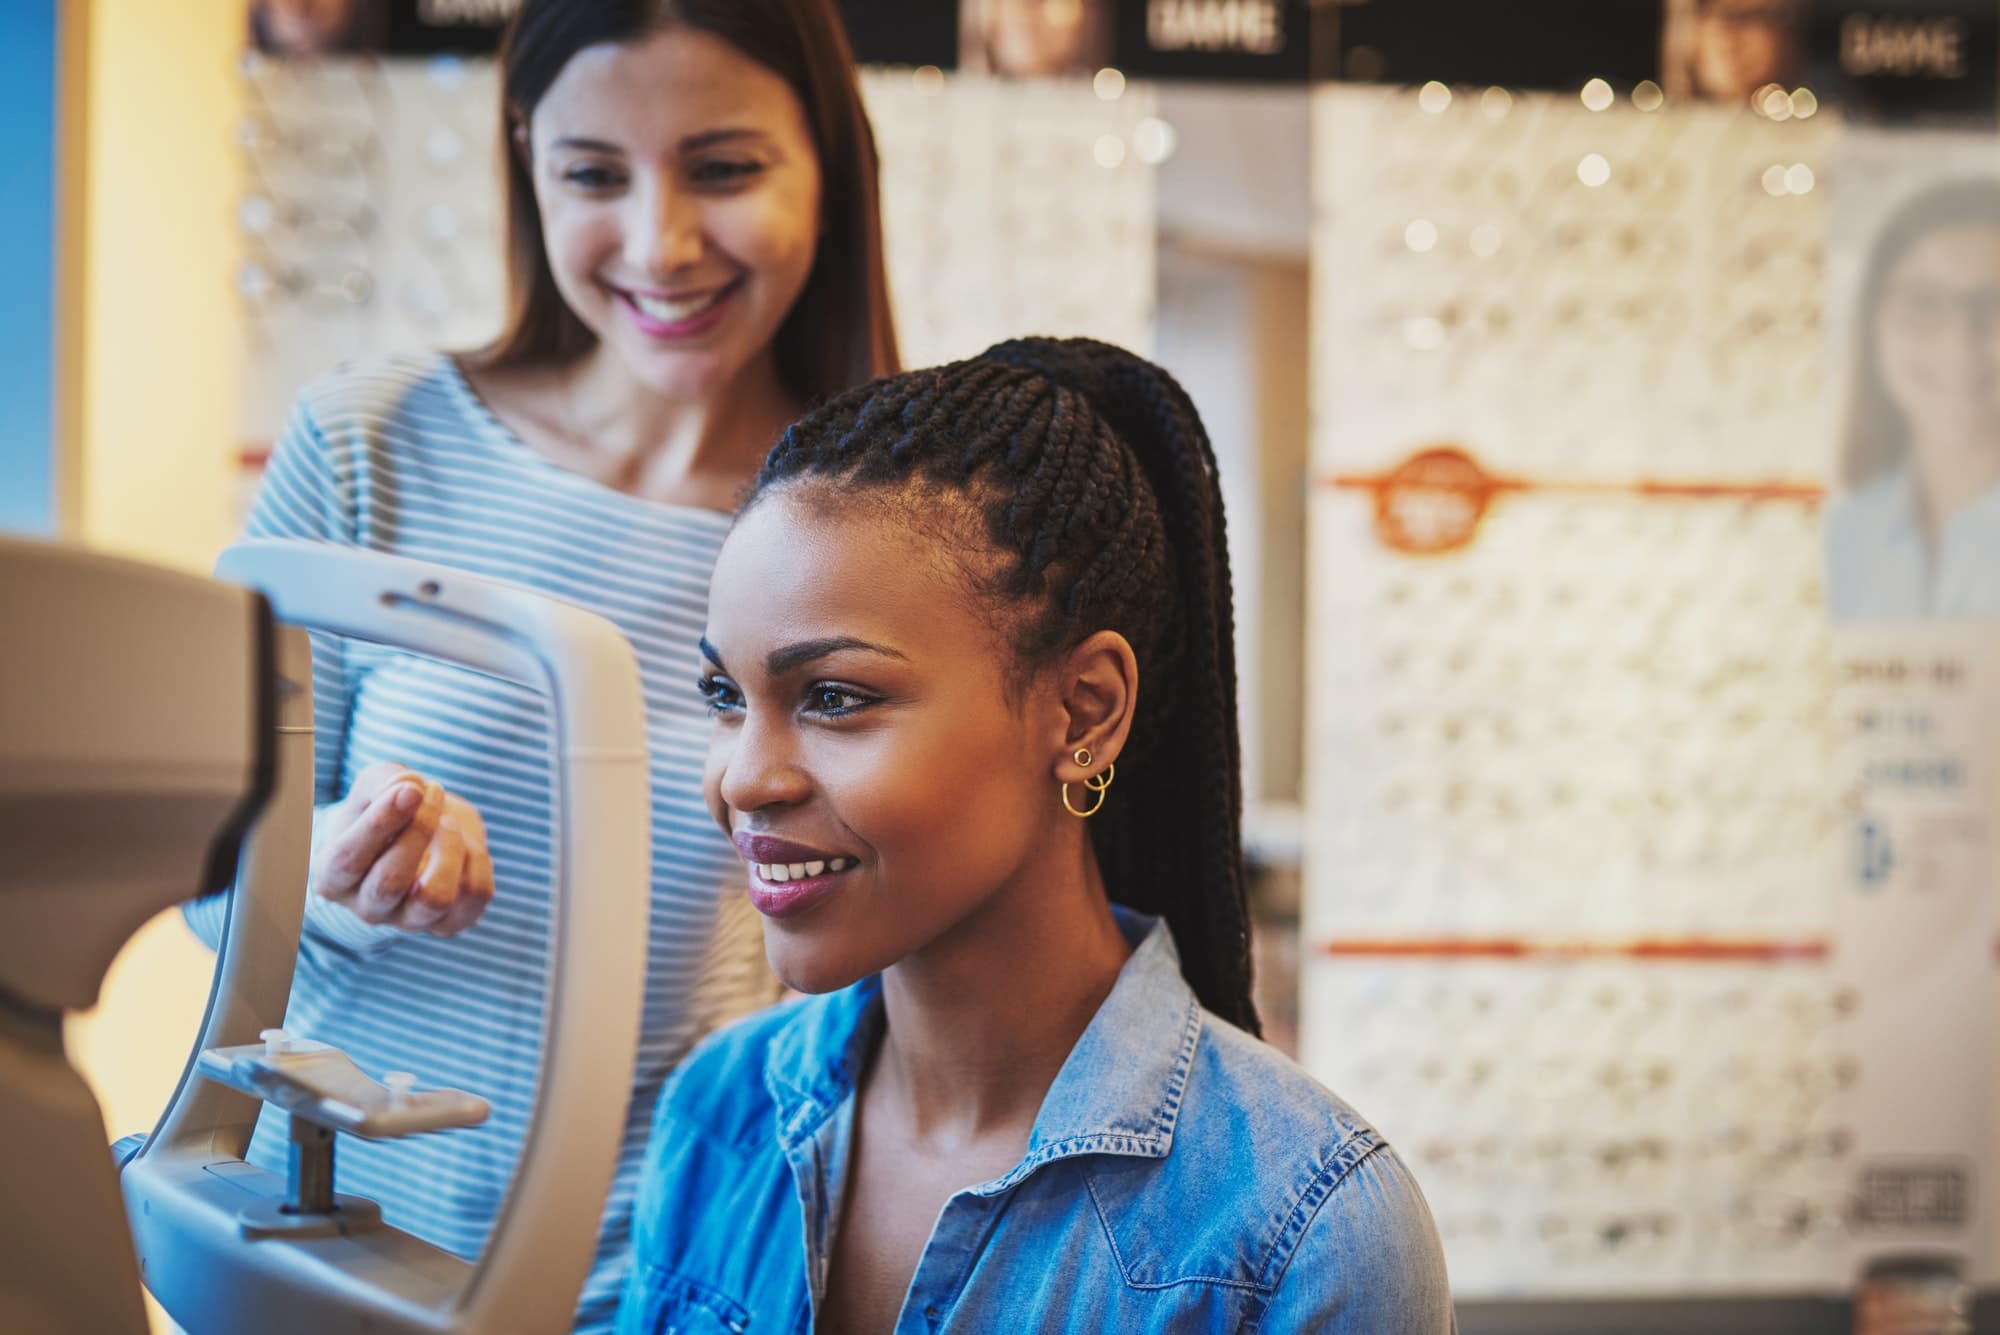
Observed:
{"x":401,"y":851}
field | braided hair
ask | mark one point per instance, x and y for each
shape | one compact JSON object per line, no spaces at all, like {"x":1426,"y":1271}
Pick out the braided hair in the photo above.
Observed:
{"x":1095,"y":484}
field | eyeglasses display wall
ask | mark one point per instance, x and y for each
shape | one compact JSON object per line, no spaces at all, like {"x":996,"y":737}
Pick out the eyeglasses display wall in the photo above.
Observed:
{"x":1582,"y":789}
{"x":372,"y":215}
{"x":1605,"y":697}
{"x":1012,"y":208}
{"x":370,"y":221}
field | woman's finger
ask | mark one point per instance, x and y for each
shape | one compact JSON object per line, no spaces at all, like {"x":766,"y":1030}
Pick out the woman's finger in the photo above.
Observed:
{"x":475,"y":892}
{"x":394,"y":874}
{"x":350,"y":853}
{"x":437,"y":884}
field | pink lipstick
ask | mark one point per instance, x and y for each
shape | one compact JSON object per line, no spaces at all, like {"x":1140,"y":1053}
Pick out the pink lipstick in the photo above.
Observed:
{"x":788,"y":878}
{"x":671,"y":319}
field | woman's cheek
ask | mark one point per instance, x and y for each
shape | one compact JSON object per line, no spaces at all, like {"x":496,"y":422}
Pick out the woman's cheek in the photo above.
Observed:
{"x":711,"y":784}
{"x":576,"y":248}
{"x":878,"y":786}
{"x":776,"y":228}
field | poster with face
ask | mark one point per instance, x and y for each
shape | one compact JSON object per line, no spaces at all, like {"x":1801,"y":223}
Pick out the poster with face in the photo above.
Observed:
{"x":1726,"y":50}
{"x":1913,"y":529}
{"x":883,"y":32}
{"x":303,"y":29}
{"x":1912,"y":533}
{"x":1034,"y":39}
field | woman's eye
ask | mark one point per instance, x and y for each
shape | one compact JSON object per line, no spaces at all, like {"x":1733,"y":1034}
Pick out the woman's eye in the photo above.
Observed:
{"x":593,"y":178}
{"x":835,"y":700}
{"x":717,"y":171}
{"x":722,"y":695}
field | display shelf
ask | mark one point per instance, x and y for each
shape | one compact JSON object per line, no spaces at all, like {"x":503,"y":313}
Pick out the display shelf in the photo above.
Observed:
{"x":1571,"y":829}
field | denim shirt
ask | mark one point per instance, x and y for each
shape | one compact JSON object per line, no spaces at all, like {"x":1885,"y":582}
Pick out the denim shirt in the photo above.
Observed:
{"x":1180,"y":1176}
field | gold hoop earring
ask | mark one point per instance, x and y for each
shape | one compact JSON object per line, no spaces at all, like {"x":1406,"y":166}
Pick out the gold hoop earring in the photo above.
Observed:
{"x":1096,"y":783}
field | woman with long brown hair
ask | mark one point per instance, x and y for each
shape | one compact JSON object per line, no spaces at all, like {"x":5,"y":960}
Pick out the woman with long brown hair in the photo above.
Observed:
{"x":696,"y":259}
{"x":1916,"y":533}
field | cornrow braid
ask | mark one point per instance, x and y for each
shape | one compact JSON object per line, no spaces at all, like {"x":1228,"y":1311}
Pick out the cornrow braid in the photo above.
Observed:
{"x":1098,"y":490}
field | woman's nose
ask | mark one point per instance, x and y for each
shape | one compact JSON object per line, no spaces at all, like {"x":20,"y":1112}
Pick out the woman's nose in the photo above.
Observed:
{"x":664,"y":235}
{"x":760,"y":768}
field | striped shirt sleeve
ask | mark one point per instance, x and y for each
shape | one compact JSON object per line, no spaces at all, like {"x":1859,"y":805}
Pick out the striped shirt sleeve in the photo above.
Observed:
{"x":302,"y":497}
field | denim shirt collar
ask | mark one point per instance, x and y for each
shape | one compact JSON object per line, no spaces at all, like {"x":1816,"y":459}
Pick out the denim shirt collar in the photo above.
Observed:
{"x":1119,"y":1092}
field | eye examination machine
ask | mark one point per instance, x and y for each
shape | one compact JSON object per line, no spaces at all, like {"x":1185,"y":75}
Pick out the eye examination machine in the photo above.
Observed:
{"x":156,"y":744}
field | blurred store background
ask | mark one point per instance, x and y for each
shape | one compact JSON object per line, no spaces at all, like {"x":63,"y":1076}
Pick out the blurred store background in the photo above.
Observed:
{"x":1608,"y":398}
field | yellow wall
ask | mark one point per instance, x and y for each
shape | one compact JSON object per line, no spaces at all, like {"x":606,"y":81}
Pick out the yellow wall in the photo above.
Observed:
{"x":160,"y":337}
{"x":152,"y":427}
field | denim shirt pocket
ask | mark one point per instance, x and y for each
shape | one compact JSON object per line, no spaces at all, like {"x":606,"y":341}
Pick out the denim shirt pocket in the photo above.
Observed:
{"x":676,"y":1305}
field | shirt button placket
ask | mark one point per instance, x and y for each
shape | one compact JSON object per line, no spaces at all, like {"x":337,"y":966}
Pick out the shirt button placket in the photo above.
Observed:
{"x":949,"y":1253}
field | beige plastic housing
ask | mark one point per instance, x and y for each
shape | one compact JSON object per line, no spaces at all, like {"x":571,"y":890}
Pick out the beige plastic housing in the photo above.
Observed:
{"x":132,"y":748}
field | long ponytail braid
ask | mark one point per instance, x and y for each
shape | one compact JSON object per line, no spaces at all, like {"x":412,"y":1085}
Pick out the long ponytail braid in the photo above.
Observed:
{"x":1098,"y":488}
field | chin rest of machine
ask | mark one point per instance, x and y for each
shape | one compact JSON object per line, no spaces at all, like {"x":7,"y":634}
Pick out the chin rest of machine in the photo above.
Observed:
{"x":325,"y":1092}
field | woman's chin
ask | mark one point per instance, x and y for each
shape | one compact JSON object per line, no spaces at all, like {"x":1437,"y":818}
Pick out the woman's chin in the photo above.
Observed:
{"x":682,"y":376}
{"x":803,"y":967}
{"x":688,"y":372}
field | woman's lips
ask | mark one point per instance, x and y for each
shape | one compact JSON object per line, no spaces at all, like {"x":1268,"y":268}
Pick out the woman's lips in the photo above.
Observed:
{"x":788,"y":878}
{"x":786,"y":899}
{"x":768,"y":848}
{"x":667,"y":318}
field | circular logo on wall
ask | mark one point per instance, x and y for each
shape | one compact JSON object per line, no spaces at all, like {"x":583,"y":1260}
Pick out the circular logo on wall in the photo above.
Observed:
{"x":1432,"y":502}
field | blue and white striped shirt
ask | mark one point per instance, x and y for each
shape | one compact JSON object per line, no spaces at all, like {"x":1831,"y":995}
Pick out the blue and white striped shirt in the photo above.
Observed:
{"x":401,"y":456}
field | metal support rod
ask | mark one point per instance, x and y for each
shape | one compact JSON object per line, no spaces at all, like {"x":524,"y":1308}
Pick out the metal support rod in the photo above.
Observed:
{"x":309,"y":1176}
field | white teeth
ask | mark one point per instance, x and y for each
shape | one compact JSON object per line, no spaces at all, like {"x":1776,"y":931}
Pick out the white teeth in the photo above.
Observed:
{"x":777,"y":873}
{"x":673,"y":312}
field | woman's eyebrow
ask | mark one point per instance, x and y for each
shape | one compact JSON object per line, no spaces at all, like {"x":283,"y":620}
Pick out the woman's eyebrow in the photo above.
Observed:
{"x":587,"y":145}
{"x":694,"y":143}
{"x":794,"y":656}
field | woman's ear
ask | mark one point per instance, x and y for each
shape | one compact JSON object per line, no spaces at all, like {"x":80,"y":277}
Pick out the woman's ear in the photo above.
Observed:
{"x":517,"y":136}
{"x":1099,"y":680}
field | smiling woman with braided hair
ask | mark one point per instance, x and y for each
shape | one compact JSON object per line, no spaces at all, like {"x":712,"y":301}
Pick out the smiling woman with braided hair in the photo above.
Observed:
{"x":969,"y":657}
